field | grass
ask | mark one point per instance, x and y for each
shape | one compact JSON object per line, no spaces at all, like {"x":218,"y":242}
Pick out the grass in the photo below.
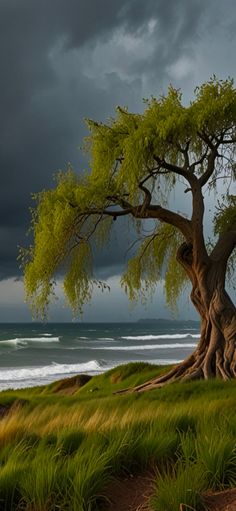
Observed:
{"x":60,"y":451}
{"x":178,"y":486}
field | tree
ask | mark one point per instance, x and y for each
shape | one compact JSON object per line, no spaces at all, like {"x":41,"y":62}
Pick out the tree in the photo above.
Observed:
{"x":136,"y":162}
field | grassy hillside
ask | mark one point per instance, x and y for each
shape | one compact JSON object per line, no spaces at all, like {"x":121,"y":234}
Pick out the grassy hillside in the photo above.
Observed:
{"x":61,"y":445}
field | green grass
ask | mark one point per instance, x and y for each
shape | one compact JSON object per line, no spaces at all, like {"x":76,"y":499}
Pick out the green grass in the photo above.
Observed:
{"x":182,"y":485}
{"x":60,"y":451}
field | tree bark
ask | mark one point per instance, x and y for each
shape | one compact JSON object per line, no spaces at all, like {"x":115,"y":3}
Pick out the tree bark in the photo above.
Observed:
{"x":215,"y":354}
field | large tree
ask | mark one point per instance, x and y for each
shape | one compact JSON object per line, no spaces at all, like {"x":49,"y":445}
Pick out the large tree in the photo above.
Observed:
{"x":137,"y":160}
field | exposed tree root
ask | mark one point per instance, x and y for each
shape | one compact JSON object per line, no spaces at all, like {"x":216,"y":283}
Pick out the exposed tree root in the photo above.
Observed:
{"x":215,"y":355}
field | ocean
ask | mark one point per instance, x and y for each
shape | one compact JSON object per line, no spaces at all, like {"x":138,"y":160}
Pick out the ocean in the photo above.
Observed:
{"x":34,"y":354}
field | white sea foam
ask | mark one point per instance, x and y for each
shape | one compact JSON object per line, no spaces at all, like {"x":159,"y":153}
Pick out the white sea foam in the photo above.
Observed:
{"x":106,"y":339}
{"x":145,"y":347}
{"x":13,"y":342}
{"x":31,"y":373}
{"x":161,"y":336}
{"x":23,"y":341}
{"x":29,"y":339}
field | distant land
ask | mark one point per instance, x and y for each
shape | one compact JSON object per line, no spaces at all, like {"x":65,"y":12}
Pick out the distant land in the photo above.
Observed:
{"x":172,"y":321}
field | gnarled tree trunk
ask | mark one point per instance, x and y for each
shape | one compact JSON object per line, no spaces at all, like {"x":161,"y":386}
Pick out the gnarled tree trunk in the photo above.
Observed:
{"x":215,"y":354}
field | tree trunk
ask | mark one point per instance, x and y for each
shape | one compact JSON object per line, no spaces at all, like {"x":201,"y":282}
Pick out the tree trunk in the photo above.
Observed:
{"x":215,"y":354}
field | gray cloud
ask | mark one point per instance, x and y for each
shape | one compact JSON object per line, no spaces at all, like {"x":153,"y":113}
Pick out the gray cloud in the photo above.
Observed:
{"x":62,"y":61}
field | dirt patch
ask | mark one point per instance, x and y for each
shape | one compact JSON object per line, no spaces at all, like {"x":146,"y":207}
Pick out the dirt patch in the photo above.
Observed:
{"x":69,"y":386}
{"x":133,"y":493}
{"x":129,"y":494}
{"x":221,"y":501}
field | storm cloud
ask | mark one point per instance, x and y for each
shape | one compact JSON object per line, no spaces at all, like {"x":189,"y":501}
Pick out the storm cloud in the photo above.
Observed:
{"x":63,"y":61}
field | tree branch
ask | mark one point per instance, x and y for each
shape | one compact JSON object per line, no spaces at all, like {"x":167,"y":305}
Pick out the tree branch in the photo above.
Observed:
{"x":224,"y":246}
{"x":174,"y":168}
{"x":185,"y":154}
{"x":93,"y":211}
{"x":169,"y":217}
{"x":148,"y":195}
{"x":199,"y":161}
{"x":228,"y":141}
{"x":204,"y":137}
{"x":210,"y":167}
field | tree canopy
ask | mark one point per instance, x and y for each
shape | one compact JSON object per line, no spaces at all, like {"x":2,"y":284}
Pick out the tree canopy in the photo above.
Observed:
{"x":136,"y":161}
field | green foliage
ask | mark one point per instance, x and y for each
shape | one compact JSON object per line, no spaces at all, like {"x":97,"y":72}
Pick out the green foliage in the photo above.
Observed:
{"x":215,"y":107}
{"x":77,"y":285}
{"x":136,"y":161}
{"x":60,"y":237}
{"x":131,"y":141}
{"x":225,"y":219}
{"x":156,"y":259}
{"x":134,"y":140}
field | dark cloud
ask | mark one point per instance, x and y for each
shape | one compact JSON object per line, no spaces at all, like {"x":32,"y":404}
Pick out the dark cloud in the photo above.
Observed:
{"x":62,"y":61}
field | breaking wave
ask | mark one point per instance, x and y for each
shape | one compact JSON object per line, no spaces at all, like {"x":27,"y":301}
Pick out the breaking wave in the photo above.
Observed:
{"x":146,"y":347}
{"x":161,"y":336}
{"x":23,"y":341}
{"x":31,"y":373}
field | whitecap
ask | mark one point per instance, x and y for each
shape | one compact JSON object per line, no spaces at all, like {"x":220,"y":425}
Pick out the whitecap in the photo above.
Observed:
{"x":43,"y":339}
{"x":161,"y":336}
{"x":106,"y":339}
{"x":14,"y":342}
{"x":54,"y":369}
{"x":25,"y":341}
{"x":145,"y":347}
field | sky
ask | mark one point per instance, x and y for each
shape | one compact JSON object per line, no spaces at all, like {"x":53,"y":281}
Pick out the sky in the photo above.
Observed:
{"x":62,"y":61}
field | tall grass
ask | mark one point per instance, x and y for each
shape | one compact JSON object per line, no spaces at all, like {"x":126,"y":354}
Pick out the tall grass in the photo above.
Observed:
{"x":60,"y":452}
{"x":183,"y":485}
{"x":10,"y":476}
{"x":91,"y":474}
{"x":216,"y":453}
{"x":41,"y":489}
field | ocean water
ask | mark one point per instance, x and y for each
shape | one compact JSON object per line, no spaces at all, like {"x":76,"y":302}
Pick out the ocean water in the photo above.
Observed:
{"x":35,"y":353}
